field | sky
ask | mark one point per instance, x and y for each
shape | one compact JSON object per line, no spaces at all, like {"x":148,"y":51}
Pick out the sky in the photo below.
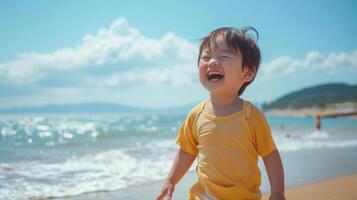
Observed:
{"x":144,"y":53}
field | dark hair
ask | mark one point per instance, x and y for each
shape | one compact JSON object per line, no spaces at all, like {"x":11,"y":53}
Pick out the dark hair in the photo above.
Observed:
{"x":239,"y":41}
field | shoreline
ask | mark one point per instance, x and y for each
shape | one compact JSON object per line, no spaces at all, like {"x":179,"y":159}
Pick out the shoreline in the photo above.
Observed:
{"x":333,"y":188}
{"x":309,"y":113}
{"x":297,"y":175}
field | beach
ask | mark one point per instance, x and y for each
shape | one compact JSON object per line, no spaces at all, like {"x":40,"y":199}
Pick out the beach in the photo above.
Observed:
{"x":310,"y":174}
{"x":128,"y":156}
{"x":329,"y":189}
{"x":313,"y":112}
{"x":338,"y":188}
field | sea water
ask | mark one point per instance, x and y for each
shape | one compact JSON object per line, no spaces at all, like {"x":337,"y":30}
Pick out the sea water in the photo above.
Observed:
{"x":59,"y":155}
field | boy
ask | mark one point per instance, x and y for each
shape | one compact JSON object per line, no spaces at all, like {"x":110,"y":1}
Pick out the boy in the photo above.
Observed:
{"x":226,"y":132}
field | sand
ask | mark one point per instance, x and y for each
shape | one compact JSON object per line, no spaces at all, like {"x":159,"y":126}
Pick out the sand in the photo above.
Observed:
{"x":340,"y":188}
{"x":312,"y":112}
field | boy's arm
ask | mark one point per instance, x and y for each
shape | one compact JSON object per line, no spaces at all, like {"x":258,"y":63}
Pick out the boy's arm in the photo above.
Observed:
{"x":275,"y":171}
{"x":182,"y":163}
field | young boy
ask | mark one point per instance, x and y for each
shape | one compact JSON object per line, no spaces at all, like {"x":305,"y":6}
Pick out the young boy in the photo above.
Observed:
{"x":225,"y":132}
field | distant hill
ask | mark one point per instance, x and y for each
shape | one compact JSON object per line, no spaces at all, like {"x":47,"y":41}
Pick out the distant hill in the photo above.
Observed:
{"x":320,"y":96}
{"x":92,"y":108}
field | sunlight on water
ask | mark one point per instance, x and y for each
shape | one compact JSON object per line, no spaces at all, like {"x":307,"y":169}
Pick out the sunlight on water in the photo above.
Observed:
{"x":70,"y":155}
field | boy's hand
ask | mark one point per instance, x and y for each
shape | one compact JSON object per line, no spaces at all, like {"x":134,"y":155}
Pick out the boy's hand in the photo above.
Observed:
{"x":181,"y":164}
{"x":167,"y":189}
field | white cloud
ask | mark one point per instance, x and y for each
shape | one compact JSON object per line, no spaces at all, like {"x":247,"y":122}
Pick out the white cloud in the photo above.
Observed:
{"x":178,"y":75}
{"x":313,"y":62}
{"x":119,"y":64}
{"x":118,"y":45}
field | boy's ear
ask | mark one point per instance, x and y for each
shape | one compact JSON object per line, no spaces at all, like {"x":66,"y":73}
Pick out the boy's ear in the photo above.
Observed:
{"x":249,"y":74}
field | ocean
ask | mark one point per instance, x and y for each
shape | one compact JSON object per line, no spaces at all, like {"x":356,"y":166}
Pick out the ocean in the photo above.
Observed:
{"x":61,"y":155}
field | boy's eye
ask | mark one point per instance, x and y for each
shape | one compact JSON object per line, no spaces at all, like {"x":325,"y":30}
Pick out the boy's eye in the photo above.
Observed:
{"x":225,"y":57}
{"x":205,"y":58}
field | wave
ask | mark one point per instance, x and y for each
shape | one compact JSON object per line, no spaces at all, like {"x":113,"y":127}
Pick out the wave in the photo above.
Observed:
{"x":317,"y":135}
{"x":109,"y":170}
{"x":113,"y":169}
{"x":98,"y":167}
{"x":313,"y":141}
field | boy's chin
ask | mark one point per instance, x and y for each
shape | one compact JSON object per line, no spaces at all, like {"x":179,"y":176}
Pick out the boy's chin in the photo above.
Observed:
{"x":214,"y":85}
{"x":214,"y":90}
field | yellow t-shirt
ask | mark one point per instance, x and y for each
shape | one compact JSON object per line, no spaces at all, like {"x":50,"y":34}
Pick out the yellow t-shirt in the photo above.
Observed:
{"x":228,"y":148}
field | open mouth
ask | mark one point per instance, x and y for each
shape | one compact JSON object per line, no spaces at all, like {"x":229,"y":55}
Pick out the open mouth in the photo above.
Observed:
{"x":215,"y":76}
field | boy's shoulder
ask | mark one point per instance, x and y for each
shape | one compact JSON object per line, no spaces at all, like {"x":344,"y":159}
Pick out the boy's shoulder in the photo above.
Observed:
{"x":252,"y":111}
{"x":255,"y":109}
{"x":256,"y":116}
{"x":193,"y":115}
{"x":198,"y":108}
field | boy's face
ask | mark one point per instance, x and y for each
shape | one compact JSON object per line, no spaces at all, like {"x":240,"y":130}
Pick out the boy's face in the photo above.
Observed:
{"x":220,"y":69}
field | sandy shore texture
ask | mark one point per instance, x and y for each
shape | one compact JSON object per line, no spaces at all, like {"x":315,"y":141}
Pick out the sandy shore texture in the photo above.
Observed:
{"x":338,"y":188}
{"x":330,"y":189}
{"x":313,"y":112}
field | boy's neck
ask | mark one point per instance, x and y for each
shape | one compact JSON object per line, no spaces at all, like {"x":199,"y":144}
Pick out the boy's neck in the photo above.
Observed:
{"x":225,"y":100}
{"x":224,"y":105}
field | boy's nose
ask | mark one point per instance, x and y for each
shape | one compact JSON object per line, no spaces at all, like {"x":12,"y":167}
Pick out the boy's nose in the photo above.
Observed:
{"x":213,"y":62}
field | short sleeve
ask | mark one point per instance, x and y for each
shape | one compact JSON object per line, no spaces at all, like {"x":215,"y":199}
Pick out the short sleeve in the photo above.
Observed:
{"x":187,"y":137}
{"x":263,"y":139}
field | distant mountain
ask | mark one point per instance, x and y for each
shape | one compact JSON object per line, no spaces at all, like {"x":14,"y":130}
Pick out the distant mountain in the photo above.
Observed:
{"x":92,"y":108}
{"x":320,"y":96}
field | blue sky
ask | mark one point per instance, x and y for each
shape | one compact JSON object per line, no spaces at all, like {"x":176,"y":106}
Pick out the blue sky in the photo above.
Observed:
{"x":144,"y":54}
